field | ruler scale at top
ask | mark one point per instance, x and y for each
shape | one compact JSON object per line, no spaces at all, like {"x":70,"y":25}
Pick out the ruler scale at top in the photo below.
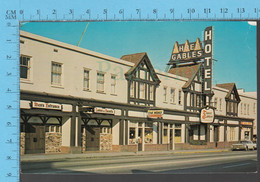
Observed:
{"x":14,"y":12}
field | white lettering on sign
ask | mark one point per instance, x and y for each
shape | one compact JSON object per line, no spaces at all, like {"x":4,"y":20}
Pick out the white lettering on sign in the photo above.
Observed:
{"x":43,"y":105}
{"x":207,"y":60}
{"x":207,"y":73}
{"x":208,"y":35}
{"x":208,"y":48}
{"x":206,"y":86}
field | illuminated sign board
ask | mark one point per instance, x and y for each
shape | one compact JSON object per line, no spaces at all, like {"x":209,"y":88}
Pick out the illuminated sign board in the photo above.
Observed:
{"x":207,"y":115}
{"x":208,"y":48}
{"x":187,"y":51}
{"x":155,"y":113}
{"x":246,"y":123}
{"x":194,"y":51}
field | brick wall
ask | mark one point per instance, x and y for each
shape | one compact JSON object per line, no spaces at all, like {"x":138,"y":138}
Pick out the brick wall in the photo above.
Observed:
{"x":22,"y":143}
{"x":157,"y":147}
{"x":124,"y":148}
{"x":53,"y":142}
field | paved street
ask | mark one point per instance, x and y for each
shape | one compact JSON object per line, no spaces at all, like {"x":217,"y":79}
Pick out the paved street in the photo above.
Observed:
{"x":236,"y":161}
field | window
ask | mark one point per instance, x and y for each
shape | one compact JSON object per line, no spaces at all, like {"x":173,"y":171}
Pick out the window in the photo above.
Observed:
{"x":177,"y":133}
{"x":142,"y":93}
{"x":58,"y":129}
{"x":151,"y":92}
{"x":86,"y":80}
{"x":244,"y":109}
{"x":56,"y":72}
{"x":216,"y":103}
{"x":231,"y":107}
{"x":132,"y":89}
{"x":24,"y":67}
{"x":132,"y":135}
{"x":113,"y":84}
{"x":148,"y":133}
{"x":254,"y":108}
{"x":198,"y":100}
{"x":100,"y":82}
{"x":180,"y":97}
{"x":247,"y":109}
{"x":105,"y":130}
{"x":192,"y":99}
{"x":165,"y":135}
{"x":220,"y":104}
{"x":241,"y":108}
{"x":165,"y":94}
{"x":172,"y":99}
{"x":52,"y":128}
{"x":232,"y":133}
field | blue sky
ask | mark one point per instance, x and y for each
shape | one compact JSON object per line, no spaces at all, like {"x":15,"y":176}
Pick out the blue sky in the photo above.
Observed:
{"x":234,"y":43}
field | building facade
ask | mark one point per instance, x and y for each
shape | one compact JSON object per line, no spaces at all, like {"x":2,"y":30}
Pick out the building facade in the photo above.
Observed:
{"x":75,"y":100}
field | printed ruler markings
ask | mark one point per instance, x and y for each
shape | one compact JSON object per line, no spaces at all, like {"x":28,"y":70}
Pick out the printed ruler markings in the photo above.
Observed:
{"x":87,"y":15}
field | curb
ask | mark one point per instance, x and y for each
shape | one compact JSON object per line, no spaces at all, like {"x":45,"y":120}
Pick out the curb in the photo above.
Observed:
{"x":118,"y":155}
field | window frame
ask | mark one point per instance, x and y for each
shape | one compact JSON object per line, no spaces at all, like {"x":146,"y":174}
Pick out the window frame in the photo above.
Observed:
{"x":84,"y":79}
{"x":28,"y":66}
{"x":56,"y":73}
{"x":180,"y":97}
{"x":100,"y":82}
{"x":165,"y":94}
{"x":113,"y":83}
{"x":172,"y":96}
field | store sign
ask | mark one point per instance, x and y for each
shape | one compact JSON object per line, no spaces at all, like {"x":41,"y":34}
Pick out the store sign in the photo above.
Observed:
{"x":208,"y":47}
{"x":43,"y":105}
{"x":246,"y":123}
{"x":207,"y":115}
{"x":155,"y":113}
{"x":187,"y":51}
{"x":103,"y":110}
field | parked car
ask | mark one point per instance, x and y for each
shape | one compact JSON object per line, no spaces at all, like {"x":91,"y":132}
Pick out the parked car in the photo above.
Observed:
{"x":244,"y":145}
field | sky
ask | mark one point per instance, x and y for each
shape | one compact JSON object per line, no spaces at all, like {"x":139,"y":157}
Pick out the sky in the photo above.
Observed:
{"x":234,"y":43}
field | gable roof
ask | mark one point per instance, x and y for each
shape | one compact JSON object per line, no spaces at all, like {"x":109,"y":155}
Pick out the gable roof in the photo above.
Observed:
{"x":137,"y":58}
{"x":230,"y":87}
{"x":188,"y":71}
{"x":134,"y":58}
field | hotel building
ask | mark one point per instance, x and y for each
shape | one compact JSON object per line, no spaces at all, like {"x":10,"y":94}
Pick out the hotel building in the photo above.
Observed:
{"x":74,"y":100}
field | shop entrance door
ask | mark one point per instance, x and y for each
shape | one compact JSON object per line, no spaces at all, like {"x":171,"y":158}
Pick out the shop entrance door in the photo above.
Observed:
{"x":92,"y":138}
{"x":140,"y":139}
{"x":34,"y":139}
{"x":246,"y":135}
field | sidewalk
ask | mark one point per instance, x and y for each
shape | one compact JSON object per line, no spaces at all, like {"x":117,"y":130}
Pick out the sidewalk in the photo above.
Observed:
{"x":58,"y":157}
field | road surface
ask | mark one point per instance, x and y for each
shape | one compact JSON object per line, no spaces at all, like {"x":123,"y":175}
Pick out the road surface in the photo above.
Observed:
{"x":219,"y":162}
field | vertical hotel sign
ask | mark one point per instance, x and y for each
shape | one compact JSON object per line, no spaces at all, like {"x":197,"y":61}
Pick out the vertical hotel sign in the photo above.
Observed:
{"x":208,"y":47}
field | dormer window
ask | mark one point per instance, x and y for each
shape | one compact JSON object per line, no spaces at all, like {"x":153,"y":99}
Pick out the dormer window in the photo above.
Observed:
{"x":142,"y":80}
